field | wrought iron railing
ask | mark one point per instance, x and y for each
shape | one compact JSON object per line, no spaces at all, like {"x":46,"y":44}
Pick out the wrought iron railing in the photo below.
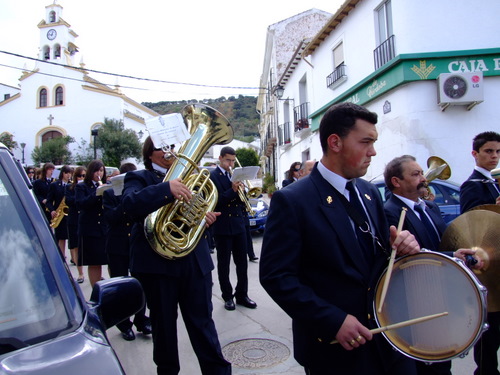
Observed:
{"x":384,"y":53}
{"x":301,"y":116}
{"x":337,"y":74}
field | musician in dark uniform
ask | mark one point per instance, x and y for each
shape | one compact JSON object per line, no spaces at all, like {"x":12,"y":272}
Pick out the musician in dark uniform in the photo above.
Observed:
{"x":318,"y":264}
{"x":231,"y":233}
{"x":41,"y":187}
{"x":185,"y":282}
{"x":404,"y":177}
{"x":54,"y":199}
{"x":119,"y":228}
{"x":72,"y":219}
{"x":479,"y":189}
{"x":91,"y":226}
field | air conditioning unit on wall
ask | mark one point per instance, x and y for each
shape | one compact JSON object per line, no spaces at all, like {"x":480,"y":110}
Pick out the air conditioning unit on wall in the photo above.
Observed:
{"x":460,"y":89}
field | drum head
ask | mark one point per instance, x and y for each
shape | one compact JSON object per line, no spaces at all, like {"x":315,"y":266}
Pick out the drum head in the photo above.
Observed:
{"x":431,"y":283}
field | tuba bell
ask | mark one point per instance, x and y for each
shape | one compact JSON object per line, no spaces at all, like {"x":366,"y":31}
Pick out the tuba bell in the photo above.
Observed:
{"x":438,"y":168}
{"x":174,"y":230}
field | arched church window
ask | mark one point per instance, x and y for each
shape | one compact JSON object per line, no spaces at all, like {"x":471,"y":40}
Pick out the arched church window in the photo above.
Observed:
{"x":46,"y":53}
{"x":43,"y":98}
{"x":57,"y":51}
{"x":59,"y":95}
{"x":52,"y":16}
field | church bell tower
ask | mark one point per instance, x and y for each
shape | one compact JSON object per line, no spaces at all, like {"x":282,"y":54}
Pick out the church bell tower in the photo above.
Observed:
{"x":57,"y":40}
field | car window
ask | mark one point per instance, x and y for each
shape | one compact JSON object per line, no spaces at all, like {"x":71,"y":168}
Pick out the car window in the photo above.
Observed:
{"x":31,"y":307}
{"x":437,"y":193}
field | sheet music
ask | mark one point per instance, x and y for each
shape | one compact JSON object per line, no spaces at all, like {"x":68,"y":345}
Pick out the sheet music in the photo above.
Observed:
{"x":245,"y":173}
{"x":167,"y":130}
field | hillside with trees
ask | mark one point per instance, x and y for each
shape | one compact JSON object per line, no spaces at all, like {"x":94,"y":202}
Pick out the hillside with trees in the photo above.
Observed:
{"x":239,"y":111}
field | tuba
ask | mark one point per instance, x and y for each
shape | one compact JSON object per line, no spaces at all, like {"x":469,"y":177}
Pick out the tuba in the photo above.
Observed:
{"x":438,"y":168}
{"x":61,"y":211}
{"x":174,"y":230}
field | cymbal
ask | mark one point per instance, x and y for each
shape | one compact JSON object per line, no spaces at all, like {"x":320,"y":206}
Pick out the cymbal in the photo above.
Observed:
{"x":489,"y":207}
{"x":479,"y":230}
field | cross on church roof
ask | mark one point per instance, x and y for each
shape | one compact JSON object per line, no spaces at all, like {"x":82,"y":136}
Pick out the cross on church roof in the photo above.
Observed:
{"x":50,"y":118}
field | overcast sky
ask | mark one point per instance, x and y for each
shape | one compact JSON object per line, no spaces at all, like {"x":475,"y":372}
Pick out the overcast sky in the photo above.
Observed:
{"x":214,"y":43}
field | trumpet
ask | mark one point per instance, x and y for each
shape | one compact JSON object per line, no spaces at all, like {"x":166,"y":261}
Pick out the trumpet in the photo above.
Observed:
{"x":243,"y":197}
{"x":253,"y":192}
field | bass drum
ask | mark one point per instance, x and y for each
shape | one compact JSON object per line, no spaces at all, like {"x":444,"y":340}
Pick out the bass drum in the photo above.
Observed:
{"x":430,"y":283}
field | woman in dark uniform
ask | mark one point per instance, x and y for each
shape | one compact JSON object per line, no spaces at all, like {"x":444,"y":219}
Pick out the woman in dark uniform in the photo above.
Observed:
{"x":54,"y":199}
{"x":72,"y":220}
{"x":41,"y":187}
{"x":91,"y":227}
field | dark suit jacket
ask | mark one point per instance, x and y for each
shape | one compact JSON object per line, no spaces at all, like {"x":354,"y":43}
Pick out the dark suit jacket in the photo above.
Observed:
{"x":143,"y":193}
{"x":90,"y":219}
{"x":393,"y":207}
{"x":70,"y":195}
{"x":55,"y":195}
{"x":287,"y":182}
{"x":313,"y":267}
{"x":232,"y":219}
{"x":476,"y":191}
{"x":119,"y":224}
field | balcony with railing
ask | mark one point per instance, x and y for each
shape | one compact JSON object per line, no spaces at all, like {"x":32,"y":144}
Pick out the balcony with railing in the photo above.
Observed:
{"x":284,"y":136}
{"x":336,"y":77}
{"x":301,"y":119}
{"x":384,"y":53}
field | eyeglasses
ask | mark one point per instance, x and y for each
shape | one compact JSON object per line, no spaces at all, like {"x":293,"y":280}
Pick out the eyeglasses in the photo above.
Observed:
{"x":31,"y":172}
{"x":297,"y":170}
{"x":80,"y":175}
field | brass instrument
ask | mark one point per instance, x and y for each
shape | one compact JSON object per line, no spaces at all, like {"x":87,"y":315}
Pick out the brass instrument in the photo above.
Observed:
{"x":253,"y":192}
{"x":61,"y":211}
{"x":438,"y":168}
{"x":174,"y":230}
{"x":243,"y":197}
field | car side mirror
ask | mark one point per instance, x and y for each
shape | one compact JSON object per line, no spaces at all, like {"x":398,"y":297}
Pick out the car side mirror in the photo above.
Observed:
{"x":116,"y":299}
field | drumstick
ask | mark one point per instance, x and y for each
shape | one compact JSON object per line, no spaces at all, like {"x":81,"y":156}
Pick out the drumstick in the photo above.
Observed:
{"x":391,"y":262}
{"x":403,"y":324}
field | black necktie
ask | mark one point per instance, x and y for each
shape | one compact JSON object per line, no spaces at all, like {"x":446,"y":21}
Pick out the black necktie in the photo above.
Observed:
{"x":228,"y":175}
{"x":428,"y":226}
{"x":365,"y":238}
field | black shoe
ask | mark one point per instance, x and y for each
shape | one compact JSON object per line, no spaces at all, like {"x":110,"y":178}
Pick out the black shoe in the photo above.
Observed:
{"x":128,"y":335}
{"x":145,"y":329}
{"x":254,"y":259}
{"x":247,"y":302}
{"x":229,"y":305}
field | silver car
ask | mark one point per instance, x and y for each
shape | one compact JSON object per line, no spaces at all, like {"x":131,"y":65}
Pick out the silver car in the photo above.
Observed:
{"x":46,"y":326}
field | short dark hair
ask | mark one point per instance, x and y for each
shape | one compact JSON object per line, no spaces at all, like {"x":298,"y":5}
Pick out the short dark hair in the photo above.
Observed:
{"x":127,"y":167}
{"x":227,"y":150}
{"x":395,"y":169}
{"x":482,"y":138}
{"x":340,"y":119}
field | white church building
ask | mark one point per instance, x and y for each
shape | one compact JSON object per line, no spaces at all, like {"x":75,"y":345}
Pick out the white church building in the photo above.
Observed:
{"x":58,"y":97}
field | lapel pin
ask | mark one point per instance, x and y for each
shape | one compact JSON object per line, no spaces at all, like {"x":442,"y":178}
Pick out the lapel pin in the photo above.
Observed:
{"x":368,"y":197}
{"x":329,"y":200}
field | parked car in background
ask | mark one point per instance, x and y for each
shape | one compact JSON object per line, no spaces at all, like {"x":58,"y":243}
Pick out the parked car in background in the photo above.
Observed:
{"x":446,"y":196}
{"x":258,"y":220}
{"x":46,"y":326}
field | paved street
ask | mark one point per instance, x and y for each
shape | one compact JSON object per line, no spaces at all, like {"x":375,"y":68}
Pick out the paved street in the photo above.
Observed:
{"x":267,"y":322}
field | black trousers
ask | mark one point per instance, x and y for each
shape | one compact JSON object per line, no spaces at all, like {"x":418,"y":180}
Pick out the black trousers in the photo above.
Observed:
{"x":192,"y":293}
{"x":485,"y":350}
{"x":237,"y":246}
{"x":118,"y":265}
